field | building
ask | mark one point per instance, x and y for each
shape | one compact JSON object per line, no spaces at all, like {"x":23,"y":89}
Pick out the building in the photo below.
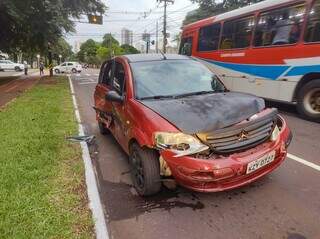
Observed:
{"x":126,"y":36}
{"x":77,"y":45}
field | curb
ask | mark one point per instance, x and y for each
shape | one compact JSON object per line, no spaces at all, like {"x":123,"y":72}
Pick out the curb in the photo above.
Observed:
{"x":95,"y":205}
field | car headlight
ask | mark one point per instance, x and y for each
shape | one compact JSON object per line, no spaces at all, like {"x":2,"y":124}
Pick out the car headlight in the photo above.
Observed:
{"x":275,"y":133}
{"x":179,"y":143}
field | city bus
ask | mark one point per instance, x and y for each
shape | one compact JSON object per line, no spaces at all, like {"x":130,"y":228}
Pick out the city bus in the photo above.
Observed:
{"x":270,"y":49}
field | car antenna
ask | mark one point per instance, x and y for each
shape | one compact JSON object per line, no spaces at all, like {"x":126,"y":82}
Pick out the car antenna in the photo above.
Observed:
{"x":164,"y":56}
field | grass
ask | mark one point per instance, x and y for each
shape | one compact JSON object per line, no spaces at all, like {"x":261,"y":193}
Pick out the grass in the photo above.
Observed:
{"x":42,"y":188}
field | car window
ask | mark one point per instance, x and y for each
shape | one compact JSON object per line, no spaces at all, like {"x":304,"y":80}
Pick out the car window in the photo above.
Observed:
{"x":209,"y":37}
{"x":70,"y":64}
{"x":106,"y":73}
{"x":280,"y":26}
{"x":64,"y":64}
{"x":313,"y":25}
{"x":119,"y":78}
{"x":172,"y":78}
{"x":237,"y":33}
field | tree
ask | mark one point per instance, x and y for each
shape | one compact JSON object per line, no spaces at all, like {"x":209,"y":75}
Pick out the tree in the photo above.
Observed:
{"x":128,"y":49}
{"x":88,"y":51}
{"x":108,"y":40}
{"x":208,"y":8}
{"x":63,"y":48}
{"x":30,"y":25}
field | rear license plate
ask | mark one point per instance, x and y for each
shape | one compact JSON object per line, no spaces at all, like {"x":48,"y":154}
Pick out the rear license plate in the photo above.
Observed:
{"x":259,"y":163}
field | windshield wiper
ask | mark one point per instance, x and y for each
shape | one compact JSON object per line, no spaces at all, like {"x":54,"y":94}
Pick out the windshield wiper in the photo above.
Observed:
{"x":156,"y":97}
{"x":194,"y":93}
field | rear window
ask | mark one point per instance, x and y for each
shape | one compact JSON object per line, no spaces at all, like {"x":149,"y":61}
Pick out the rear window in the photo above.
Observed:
{"x":313,"y":25}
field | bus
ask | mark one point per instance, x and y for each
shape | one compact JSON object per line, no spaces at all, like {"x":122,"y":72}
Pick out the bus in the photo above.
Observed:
{"x":270,"y":49}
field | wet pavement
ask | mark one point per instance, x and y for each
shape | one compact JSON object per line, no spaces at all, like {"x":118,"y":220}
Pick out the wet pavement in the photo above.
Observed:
{"x":284,"y":204}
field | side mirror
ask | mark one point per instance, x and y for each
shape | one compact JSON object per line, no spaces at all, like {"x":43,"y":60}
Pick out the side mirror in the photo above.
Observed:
{"x":113,"y":96}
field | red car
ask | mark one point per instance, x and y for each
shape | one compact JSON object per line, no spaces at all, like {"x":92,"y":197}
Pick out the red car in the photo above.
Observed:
{"x":176,"y":120}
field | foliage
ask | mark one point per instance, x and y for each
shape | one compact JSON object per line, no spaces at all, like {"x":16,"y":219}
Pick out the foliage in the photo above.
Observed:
{"x":128,"y":49}
{"x":62,"y":47}
{"x":30,"y":25}
{"x":208,"y":8}
{"x":93,"y":52}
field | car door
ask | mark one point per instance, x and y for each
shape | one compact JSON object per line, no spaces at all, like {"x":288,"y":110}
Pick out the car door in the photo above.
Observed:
{"x":63,"y":67}
{"x":104,"y":108}
{"x":120,"y":109}
{"x":69,"y":66}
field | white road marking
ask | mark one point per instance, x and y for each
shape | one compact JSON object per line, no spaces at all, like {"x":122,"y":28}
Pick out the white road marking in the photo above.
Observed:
{"x":87,"y":74}
{"x":18,"y":74}
{"x":304,"y":162}
{"x":96,"y":74}
{"x":92,"y":187}
{"x":78,"y":74}
{"x":87,"y":83}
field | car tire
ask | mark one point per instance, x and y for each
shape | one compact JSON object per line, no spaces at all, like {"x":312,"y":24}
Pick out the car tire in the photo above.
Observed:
{"x":17,"y":68}
{"x":308,"y":100}
{"x":57,"y":71}
{"x":145,"y":170}
{"x":74,"y":70}
{"x":102,"y":129}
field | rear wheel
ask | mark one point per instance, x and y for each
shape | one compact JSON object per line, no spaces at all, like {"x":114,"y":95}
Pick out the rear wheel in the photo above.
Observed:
{"x":309,"y":101}
{"x":74,"y":70}
{"x":57,"y":71}
{"x":145,"y":170}
{"x":17,"y":68}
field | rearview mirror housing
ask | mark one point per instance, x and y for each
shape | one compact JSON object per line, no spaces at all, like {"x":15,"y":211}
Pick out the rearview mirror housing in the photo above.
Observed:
{"x":114,"y":96}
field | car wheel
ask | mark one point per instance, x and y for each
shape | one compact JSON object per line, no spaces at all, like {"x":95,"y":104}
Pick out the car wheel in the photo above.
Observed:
{"x":17,"y":68}
{"x":103,"y":130}
{"x":309,"y":101}
{"x":57,"y":71}
{"x":145,"y":170}
{"x":74,"y":70}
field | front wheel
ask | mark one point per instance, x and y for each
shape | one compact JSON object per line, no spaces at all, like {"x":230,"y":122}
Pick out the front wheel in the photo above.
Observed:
{"x":102,"y":129}
{"x":57,"y":71}
{"x":145,"y":170}
{"x":74,"y":70}
{"x":17,"y":68}
{"x":309,"y":101}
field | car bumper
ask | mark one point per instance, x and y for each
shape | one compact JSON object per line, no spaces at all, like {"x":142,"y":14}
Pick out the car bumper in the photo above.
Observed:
{"x":227,"y":172}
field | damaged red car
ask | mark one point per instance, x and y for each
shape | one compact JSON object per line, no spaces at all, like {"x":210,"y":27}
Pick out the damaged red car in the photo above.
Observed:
{"x":177,"y":121}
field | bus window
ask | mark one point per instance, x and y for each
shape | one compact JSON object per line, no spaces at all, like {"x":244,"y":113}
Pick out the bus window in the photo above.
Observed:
{"x":237,"y":33}
{"x":280,"y":26}
{"x":209,"y":37}
{"x":186,"y":46}
{"x":313,"y":25}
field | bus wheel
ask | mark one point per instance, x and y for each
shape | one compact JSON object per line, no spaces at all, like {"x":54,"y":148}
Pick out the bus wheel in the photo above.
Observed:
{"x":309,"y":101}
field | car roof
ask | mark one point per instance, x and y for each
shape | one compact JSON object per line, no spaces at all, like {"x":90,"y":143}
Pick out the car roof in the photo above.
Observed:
{"x":154,"y":57}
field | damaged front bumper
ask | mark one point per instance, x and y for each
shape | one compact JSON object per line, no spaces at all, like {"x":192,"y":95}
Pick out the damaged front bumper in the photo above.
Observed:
{"x":223,"y":172}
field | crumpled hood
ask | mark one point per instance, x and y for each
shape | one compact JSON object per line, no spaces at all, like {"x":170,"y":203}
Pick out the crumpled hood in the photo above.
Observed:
{"x":205,"y":113}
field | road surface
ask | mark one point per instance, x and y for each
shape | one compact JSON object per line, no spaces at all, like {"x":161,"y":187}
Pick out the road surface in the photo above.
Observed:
{"x":285,"y":204}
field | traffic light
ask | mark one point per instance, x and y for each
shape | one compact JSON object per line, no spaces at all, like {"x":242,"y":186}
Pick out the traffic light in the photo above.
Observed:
{"x":95,"y":19}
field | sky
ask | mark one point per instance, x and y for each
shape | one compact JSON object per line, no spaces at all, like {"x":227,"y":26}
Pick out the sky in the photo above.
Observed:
{"x":136,"y":15}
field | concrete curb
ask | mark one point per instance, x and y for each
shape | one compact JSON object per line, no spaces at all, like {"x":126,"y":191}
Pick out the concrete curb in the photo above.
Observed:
{"x":92,"y":187}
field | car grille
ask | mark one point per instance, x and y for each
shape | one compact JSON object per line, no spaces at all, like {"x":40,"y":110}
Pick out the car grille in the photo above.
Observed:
{"x":241,"y":136}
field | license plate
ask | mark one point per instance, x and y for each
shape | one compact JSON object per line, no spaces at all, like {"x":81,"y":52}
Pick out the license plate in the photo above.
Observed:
{"x":259,"y":163}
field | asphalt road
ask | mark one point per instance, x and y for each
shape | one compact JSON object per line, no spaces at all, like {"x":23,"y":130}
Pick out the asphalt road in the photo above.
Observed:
{"x":284,"y":204}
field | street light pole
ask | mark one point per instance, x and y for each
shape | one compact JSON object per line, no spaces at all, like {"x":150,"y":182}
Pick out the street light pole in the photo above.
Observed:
{"x":38,"y":61}
{"x":60,"y":56}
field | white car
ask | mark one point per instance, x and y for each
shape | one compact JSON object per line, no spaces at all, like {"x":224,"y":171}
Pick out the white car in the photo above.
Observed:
{"x":6,"y":65}
{"x":70,"y":66}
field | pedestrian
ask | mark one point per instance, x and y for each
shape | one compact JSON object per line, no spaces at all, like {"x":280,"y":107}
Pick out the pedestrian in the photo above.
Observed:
{"x":41,"y":67}
{"x":25,"y":67}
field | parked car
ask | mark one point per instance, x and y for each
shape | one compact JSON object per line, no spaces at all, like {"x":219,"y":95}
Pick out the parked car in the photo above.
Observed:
{"x":67,"y":67}
{"x":6,"y":65}
{"x":176,"y":120}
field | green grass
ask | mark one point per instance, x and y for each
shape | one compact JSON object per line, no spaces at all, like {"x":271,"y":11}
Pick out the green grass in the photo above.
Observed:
{"x":42,"y":188}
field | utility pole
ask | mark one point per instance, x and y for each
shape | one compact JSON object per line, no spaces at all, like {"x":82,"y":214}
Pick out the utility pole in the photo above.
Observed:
{"x":165,"y":41}
{"x":157,"y":37}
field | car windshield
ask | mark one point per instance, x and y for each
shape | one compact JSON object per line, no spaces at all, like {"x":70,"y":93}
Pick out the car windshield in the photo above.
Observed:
{"x":173,"y":78}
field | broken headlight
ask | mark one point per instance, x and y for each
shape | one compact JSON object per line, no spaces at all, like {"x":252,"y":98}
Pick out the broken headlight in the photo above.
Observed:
{"x":179,"y":143}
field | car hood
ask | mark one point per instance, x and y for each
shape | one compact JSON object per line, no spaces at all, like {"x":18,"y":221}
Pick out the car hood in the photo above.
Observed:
{"x":205,"y":113}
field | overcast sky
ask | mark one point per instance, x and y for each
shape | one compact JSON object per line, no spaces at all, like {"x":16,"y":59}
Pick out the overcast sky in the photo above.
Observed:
{"x":116,"y":19}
